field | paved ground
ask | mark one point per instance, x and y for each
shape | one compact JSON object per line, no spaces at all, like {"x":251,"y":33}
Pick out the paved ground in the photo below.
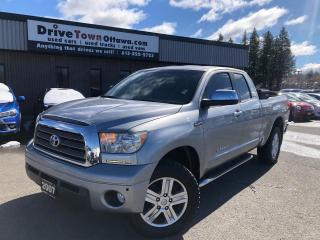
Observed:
{"x":252,"y":202}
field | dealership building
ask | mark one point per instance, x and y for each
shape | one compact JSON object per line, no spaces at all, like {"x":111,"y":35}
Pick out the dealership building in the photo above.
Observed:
{"x":37,"y":53}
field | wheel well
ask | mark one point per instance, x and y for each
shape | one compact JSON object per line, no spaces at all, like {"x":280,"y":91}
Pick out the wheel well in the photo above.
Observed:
{"x":279,"y":123}
{"x":187,"y":156}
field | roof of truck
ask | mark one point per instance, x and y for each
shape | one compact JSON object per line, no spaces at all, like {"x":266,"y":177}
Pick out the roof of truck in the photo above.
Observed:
{"x":198,"y":68}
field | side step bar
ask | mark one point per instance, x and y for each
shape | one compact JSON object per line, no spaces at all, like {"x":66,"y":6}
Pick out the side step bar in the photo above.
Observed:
{"x":220,"y":172}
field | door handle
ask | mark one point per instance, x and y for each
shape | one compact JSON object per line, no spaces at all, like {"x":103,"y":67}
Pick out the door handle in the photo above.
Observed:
{"x":237,"y":113}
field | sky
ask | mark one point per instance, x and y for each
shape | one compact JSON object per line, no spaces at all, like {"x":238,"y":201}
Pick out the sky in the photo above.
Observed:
{"x":194,"y":18}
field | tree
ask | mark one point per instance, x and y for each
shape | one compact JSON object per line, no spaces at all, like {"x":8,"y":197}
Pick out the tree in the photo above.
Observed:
{"x":220,"y":38}
{"x":230,"y":40}
{"x":254,"y":46}
{"x":283,"y":61}
{"x":310,"y":74}
{"x":244,"y":40}
{"x":265,"y":60}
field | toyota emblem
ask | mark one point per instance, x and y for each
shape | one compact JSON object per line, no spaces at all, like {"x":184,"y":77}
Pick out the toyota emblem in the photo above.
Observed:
{"x":54,"y":141}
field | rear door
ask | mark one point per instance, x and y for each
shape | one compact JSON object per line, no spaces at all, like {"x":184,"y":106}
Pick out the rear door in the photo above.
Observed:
{"x":250,"y":117}
{"x":221,"y":127}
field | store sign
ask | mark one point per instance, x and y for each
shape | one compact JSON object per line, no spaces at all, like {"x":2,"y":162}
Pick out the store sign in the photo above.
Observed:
{"x":62,"y":38}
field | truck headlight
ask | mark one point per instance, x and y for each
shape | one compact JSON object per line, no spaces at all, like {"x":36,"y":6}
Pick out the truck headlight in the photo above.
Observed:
{"x":298,"y":108}
{"x":38,"y":118}
{"x":122,"y":142}
{"x":10,"y":113}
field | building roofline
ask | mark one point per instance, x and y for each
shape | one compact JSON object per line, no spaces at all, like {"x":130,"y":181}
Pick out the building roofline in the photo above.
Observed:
{"x":22,"y":17}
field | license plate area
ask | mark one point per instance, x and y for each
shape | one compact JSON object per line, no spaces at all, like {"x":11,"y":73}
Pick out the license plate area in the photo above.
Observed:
{"x":48,"y":188}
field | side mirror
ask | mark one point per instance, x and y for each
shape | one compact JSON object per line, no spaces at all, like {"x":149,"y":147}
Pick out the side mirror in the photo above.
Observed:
{"x":220,"y":98}
{"x":21,"y":98}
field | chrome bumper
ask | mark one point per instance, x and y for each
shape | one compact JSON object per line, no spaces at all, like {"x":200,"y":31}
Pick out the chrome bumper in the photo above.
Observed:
{"x":97,"y":180}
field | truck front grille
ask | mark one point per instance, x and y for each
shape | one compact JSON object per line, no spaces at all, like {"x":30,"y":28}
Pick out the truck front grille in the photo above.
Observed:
{"x":71,"y":147}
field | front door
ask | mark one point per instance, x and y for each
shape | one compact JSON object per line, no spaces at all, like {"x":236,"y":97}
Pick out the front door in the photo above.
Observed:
{"x":221,"y":126}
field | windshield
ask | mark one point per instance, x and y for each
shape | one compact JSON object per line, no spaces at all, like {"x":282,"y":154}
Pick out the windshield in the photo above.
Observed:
{"x":56,"y":96}
{"x":6,"y":96}
{"x":165,"y":85}
{"x":292,"y":98}
{"x":305,"y":97}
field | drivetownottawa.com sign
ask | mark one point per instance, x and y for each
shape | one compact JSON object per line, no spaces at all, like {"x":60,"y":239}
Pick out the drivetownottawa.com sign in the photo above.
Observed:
{"x":62,"y":38}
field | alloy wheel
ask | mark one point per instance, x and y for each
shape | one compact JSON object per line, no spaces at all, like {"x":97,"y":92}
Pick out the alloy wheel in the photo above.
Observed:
{"x":165,"y":203}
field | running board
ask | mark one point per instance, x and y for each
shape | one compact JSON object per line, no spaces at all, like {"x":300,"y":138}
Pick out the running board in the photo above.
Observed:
{"x":218,"y":173}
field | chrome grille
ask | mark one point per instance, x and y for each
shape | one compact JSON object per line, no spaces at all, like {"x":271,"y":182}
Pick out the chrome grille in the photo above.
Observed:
{"x":71,"y":147}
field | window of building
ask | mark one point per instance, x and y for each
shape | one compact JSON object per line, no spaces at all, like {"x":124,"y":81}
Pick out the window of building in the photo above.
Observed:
{"x":2,"y":73}
{"x":219,"y":81}
{"x":62,"y":77}
{"x":241,"y":86}
{"x":95,"y":82}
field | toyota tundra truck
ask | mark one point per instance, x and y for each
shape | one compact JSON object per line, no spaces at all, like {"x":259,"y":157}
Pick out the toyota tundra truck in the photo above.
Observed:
{"x":147,"y":145}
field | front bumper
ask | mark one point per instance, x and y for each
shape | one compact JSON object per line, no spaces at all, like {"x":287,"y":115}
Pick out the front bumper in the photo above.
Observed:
{"x":9,"y":124}
{"x":304,"y":114}
{"x":93,"y":182}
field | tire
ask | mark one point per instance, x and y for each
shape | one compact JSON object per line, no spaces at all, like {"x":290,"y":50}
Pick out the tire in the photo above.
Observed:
{"x":269,"y":153}
{"x":166,"y":224}
{"x":291,"y":116}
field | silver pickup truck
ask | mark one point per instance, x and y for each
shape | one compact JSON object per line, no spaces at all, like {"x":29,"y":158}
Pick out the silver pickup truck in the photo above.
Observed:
{"x":149,"y":144}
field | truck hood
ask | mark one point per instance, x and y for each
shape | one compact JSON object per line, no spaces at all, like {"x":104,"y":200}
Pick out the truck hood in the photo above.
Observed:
{"x":108,"y":113}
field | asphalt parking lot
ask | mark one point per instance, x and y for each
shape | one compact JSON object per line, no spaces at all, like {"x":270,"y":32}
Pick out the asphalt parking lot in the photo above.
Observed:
{"x":252,"y":202}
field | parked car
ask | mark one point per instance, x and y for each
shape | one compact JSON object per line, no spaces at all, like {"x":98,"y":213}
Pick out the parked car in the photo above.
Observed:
{"x":291,"y":90}
{"x":10,"y":115}
{"x":311,"y":100}
{"x":311,"y":91}
{"x":315,"y":95}
{"x":149,"y":143}
{"x":299,"y":110}
{"x":54,"y":96}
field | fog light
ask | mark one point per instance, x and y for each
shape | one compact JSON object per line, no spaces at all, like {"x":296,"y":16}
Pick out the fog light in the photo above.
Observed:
{"x":114,"y":198}
{"x":120,"y":197}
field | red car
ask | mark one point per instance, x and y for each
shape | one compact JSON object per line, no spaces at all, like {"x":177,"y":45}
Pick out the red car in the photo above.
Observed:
{"x":299,"y":111}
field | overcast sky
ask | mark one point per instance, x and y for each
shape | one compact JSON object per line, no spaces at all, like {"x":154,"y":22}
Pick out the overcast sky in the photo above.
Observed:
{"x":194,"y":18}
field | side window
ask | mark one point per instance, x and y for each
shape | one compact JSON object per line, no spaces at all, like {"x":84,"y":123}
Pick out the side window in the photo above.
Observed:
{"x":219,"y":81}
{"x":241,"y":86}
{"x":2,"y":73}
